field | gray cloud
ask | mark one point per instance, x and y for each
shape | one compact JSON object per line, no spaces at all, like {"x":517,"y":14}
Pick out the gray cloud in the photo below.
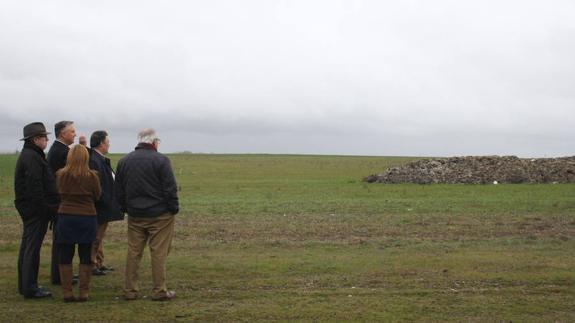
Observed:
{"x":345,"y":77}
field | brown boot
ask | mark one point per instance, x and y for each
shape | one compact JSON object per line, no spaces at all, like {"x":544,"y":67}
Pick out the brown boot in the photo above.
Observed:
{"x":66,"y":274}
{"x":84,"y":285}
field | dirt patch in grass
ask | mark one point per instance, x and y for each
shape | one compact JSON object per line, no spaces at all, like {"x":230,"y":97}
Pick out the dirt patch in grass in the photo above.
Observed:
{"x":358,"y":229}
{"x":343,"y":229}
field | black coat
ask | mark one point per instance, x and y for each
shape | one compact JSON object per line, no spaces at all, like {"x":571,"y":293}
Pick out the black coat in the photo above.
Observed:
{"x":57,"y":155}
{"x":107,"y":207}
{"x":145,"y":183}
{"x":35,"y":189}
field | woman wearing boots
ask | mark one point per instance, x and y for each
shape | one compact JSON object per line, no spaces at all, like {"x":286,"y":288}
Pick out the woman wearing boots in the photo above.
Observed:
{"x":79,"y":189}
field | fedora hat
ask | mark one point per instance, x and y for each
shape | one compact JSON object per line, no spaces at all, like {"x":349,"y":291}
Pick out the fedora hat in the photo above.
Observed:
{"x":34,"y":129}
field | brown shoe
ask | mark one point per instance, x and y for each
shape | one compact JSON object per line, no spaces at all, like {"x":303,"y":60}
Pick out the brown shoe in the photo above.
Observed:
{"x":130,"y":296}
{"x":169,"y":295}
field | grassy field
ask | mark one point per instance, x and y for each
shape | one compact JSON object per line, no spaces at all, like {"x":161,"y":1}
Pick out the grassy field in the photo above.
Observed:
{"x":302,"y":238}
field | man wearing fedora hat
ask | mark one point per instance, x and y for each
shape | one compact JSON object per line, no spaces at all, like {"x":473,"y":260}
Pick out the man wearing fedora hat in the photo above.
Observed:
{"x":36,"y":199}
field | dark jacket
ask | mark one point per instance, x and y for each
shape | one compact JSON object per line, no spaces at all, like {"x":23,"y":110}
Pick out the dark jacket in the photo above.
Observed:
{"x":34,"y":184}
{"x":107,"y":207}
{"x":145,"y":183}
{"x":57,"y":156}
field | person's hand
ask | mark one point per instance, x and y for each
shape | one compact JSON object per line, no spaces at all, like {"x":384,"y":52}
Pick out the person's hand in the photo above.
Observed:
{"x":82,"y":140}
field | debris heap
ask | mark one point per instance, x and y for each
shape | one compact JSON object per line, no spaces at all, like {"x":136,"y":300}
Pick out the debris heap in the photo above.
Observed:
{"x":480,"y":170}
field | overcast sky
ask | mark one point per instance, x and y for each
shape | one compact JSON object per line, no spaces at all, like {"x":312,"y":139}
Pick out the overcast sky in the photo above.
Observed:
{"x":418,"y":78}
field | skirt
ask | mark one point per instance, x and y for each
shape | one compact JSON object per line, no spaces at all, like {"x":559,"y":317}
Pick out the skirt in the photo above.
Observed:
{"x":72,"y":229}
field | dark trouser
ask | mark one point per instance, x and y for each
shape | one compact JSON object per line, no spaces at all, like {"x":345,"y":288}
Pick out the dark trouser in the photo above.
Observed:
{"x":67,"y":253}
{"x":29,"y":257}
{"x":54,"y":266}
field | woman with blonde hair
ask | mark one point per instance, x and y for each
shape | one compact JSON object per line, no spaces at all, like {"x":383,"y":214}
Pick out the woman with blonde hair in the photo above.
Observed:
{"x":79,"y":189}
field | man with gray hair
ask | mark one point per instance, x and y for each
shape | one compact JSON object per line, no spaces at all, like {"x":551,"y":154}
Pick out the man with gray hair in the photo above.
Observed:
{"x":65,"y":132}
{"x":146,"y":189}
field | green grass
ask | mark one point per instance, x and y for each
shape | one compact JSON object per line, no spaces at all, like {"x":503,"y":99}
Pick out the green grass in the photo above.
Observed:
{"x":302,"y":238}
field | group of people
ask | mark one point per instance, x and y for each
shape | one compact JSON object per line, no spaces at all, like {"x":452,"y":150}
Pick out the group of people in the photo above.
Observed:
{"x":75,"y":191}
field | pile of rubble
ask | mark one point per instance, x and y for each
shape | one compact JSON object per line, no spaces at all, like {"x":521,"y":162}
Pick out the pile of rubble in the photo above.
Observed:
{"x":480,"y":170}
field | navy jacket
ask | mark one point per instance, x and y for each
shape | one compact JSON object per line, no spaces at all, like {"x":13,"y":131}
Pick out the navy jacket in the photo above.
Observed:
{"x":35,"y":189}
{"x":57,"y":156}
{"x":145,"y":183}
{"x":107,"y":207}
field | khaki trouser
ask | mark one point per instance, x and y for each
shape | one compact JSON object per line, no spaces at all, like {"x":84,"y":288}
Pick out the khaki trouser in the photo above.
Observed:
{"x":98,"y":246}
{"x":158,"y":233}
